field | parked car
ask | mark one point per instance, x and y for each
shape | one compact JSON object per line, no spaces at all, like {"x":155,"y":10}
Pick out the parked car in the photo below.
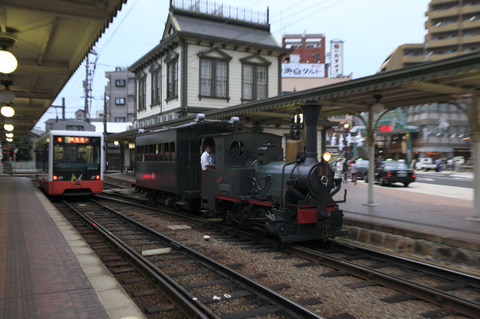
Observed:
{"x":392,"y":172}
{"x":362,"y":168}
{"x":425,"y":163}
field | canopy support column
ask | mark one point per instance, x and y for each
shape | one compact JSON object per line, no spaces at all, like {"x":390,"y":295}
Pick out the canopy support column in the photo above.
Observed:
{"x":475,"y":135}
{"x":371,"y":157}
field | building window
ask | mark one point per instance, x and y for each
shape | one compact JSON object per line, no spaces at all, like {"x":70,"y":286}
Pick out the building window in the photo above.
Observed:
{"x":172,"y":80}
{"x":120,"y":119}
{"x":141,"y":94}
{"x":120,"y":82}
{"x":434,"y":108}
{"x":433,"y":129}
{"x":213,"y":78}
{"x":120,"y":101}
{"x":157,"y":87}
{"x":443,"y":108}
{"x":254,"y":86}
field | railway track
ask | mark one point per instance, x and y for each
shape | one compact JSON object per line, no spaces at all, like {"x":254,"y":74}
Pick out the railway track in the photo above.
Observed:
{"x":201,"y":287}
{"x":453,"y":293}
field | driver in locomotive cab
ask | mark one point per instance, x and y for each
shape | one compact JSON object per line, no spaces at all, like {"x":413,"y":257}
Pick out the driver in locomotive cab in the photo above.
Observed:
{"x":208,"y":158}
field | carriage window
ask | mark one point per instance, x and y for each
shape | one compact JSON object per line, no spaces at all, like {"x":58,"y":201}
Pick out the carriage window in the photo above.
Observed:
{"x":151,"y":147}
{"x":166,"y":153}
{"x":160,"y":152}
{"x":142,"y":153}
{"x":138,"y":153}
{"x":172,"y":151}
{"x":156,"y":152}
{"x":236,"y":149}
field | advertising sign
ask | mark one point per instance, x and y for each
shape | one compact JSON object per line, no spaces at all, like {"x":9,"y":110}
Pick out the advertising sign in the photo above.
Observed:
{"x":336,"y":58}
{"x":303,"y":70}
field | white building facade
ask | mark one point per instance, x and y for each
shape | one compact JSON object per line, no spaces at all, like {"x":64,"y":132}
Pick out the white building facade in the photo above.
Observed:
{"x":206,"y":61}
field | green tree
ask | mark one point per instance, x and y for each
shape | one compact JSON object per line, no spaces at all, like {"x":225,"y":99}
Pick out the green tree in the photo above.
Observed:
{"x":24,"y":146}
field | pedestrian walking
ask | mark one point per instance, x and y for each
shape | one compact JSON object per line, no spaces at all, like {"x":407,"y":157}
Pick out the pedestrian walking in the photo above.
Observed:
{"x":339,"y":168}
{"x":354,"y":172}
{"x":345,"y":171}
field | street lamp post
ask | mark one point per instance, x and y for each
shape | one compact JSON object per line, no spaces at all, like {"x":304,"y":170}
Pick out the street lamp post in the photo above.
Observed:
{"x":346,"y":126}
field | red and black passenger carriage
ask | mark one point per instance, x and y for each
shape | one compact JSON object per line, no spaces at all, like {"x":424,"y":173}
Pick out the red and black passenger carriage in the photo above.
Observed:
{"x":251,"y":187}
{"x":70,"y":162}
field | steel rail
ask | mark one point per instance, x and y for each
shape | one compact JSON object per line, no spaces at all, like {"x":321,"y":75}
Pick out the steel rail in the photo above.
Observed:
{"x":274,"y":298}
{"x":169,"y":289}
{"x":431,"y":295}
{"x":417,"y":265}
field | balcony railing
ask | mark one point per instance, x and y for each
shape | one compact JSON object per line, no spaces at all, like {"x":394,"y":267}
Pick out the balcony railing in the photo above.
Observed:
{"x":218,"y":9}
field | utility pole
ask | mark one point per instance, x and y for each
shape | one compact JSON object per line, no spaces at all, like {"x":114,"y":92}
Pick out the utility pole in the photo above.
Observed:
{"x":87,"y":85}
{"x":62,"y":107}
{"x":86,"y":89}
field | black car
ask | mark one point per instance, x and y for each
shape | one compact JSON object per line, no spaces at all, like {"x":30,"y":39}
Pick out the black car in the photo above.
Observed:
{"x":362,"y":168}
{"x":392,"y":172}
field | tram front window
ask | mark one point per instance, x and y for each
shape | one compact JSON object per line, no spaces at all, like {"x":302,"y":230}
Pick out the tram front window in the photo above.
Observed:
{"x":76,"y":157}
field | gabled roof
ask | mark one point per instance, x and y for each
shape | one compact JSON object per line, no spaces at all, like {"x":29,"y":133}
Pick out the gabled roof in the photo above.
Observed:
{"x":228,"y":29}
{"x":207,"y":28}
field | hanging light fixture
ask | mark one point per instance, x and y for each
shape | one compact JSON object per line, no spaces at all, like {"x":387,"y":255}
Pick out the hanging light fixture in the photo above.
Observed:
{"x":8,"y":62}
{"x":6,"y":96}
{"x":378,"y":107}
{"x":7,"y":111}
{"x":9,"y":135}
{"x":9,"y":139}
{"x":8,"y":127}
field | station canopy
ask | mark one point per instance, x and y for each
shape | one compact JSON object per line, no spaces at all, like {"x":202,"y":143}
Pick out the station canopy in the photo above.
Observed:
{"x":50,"y":39}
{"x":442,"y":81}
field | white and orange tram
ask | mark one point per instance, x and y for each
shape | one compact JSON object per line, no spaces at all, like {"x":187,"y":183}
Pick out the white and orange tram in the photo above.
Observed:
{"x":70,"y":162}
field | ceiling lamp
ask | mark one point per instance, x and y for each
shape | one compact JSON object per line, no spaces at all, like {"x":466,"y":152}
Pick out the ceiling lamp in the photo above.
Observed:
{"x":9,"y":139}
{"x":8,"y":62}
{"x":7,"y":111}
{"x":6,"y":96}
{"x":9,"y":135}
{"x":378,"y":107}
{"x":8,"y":127}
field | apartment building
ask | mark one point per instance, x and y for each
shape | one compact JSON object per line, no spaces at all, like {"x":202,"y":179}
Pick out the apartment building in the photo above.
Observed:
{"x":453,"y":28}
{"x":120,"y":95}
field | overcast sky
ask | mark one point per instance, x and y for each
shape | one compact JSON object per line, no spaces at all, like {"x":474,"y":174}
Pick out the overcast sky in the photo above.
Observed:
{"x":370,"y":29}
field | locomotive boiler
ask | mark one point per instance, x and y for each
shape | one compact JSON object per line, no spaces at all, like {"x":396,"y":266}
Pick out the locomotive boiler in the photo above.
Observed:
{"x":252,"y":187}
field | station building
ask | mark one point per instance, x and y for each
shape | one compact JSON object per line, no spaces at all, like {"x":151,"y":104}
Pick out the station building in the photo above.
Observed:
{"x":208,"y":58}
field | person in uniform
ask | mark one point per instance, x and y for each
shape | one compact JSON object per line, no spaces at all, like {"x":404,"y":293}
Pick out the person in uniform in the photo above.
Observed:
{"x":208,"y":158}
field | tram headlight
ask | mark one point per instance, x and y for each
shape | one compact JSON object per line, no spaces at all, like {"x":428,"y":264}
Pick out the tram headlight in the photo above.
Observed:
{"x":55,"y":177}
{"x":327,"y":156}
{"x":98,"y":177}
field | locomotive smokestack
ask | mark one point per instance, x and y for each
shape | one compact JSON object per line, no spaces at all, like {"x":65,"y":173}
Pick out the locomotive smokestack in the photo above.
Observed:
{"x":311,"y":114}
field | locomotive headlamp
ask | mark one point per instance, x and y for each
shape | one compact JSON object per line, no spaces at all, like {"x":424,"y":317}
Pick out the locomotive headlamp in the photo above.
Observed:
{"x":327,"y":156}
{"x":299,"y":118}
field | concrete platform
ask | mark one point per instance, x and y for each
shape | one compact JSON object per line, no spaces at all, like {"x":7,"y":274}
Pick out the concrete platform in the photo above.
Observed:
{"x":47,"y":270}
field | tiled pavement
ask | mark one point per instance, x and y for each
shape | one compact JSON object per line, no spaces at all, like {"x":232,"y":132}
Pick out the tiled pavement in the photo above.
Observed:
{"x":46,"y":269}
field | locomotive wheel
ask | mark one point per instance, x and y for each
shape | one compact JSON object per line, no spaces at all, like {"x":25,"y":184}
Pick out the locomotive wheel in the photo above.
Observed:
{"x":261,"y":212}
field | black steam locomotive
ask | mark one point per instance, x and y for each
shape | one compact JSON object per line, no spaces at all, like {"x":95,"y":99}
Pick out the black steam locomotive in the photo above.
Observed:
{"x":251,"y":186}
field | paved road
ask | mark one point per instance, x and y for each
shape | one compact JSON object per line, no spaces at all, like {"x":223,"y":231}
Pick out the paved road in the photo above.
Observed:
{"x":446,"y":178}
